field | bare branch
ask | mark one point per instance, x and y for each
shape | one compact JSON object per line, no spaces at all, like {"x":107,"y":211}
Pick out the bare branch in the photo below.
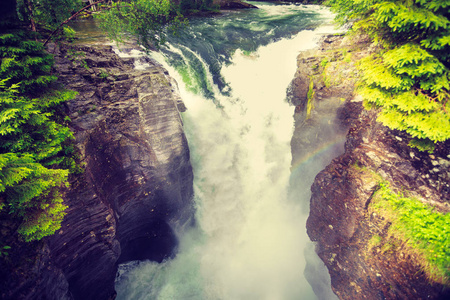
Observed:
{"x":71,"y":18}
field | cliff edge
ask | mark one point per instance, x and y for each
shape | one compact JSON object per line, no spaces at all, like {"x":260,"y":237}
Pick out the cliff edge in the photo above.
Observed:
{"x":365,"y":258}
{"x":135,"y":190}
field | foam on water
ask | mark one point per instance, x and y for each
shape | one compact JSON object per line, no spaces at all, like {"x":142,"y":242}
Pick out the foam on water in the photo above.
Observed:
{"x":250,"y":237}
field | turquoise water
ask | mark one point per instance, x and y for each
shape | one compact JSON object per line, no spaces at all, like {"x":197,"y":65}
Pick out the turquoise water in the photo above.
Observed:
{"x":249,"y":240}
{"x":215,"y":39}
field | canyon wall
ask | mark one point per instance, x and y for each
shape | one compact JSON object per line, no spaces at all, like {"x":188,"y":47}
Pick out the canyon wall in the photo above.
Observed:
{"x":135,"y":190}
{"x":340,"y":221}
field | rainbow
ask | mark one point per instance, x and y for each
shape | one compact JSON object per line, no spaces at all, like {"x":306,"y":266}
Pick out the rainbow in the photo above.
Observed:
{"x":309,"y":157}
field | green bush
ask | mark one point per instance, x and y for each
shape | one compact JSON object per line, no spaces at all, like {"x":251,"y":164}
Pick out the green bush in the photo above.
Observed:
{"x":421,"y":227}
{"x":148,"y":20}
{"x":48,"y":13}
{"x":31,"y":193}
{"x":408,"y":79}
{"x":35,"y":150}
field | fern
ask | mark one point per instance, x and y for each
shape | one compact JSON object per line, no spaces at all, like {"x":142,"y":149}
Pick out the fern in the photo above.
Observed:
{"x":376,"y":74}
{"x":409,"y":78}
{"x":35,"y":147}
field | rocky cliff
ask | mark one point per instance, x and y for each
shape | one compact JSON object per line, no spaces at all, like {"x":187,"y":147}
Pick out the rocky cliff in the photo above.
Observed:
{"x":135,"y":190}
{"x":341,"y":222}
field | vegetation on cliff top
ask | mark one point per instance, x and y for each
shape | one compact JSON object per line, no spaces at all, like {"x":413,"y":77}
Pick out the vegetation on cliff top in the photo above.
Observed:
{"x":420,"y":226}
{"x":34,"y":149}
{"x":147,"y":20}
{"x":36,"y":154}
{"x":408,"y":79}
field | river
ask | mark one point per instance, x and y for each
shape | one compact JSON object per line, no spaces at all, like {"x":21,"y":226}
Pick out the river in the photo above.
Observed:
{"x":249,"y":241}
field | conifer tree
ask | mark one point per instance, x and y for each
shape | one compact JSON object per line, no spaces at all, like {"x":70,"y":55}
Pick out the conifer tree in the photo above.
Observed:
{"x":34,"y":142}
{"x":35,"y":150}
{"x":31,"y":193}
{"x":409,"y":79}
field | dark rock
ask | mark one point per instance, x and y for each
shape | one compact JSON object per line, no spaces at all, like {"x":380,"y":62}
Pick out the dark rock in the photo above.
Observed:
{"x":339,"y":220}
{"x":235,"y":4}
{"x":136,"y":189}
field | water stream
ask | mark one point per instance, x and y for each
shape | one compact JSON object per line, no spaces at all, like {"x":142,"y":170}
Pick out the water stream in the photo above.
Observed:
{"x":250,"y":238}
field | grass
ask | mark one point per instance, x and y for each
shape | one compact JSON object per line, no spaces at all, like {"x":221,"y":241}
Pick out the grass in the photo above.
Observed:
{"x":419,"y":226}
{"x":103,"y":74}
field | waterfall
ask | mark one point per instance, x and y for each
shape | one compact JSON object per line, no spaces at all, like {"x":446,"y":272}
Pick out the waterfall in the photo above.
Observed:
{"x":250,"y":237}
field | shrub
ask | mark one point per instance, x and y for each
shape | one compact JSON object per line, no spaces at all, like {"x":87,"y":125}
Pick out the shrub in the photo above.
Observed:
{"x":34,"y":142}
{"x":408,"y":80}
{"x":420,"y":226}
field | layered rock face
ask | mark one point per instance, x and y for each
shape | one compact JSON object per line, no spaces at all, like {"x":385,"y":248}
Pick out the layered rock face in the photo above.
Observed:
{"x":342,"y":225}
{"x":321,"y":85}
{"x":320,"y":129}
{"x":136,"y":188}
{"x":137,"y":185}
{"x":340,"y":221}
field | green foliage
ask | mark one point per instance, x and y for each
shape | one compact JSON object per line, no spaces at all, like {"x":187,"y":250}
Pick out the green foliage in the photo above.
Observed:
{"x":196,"y":5}
{"x":26,"y":62}
{"x":4,"y":250}
{"x":27,"y":127}
{"x":35,"y":150}
{"x":421,"y":227}
{"x":69,"y":33}
{"x":147,"y":20}
{"x":424,"y":145}
{"x":31,"y":192}
{"x":48,"y":13}
{"x":409,"y":78}
{"x":103,"y":74}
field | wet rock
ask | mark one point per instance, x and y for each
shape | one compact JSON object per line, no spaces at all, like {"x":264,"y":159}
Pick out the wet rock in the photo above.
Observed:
{"x":339,"y":220}
{"x":136,"y":188}
{"x":321,"y":111}
{"x":235,"y":4}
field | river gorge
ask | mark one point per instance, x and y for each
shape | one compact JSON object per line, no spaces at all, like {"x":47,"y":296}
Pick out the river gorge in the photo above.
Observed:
{"x":233,"y":163}
{"x":249,"y":240}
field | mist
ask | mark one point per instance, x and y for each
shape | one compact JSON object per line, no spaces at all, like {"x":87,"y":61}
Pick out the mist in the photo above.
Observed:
{"x":250,"y":240}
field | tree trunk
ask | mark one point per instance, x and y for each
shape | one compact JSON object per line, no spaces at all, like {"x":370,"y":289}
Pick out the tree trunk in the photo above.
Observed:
{"x":30,"y":15}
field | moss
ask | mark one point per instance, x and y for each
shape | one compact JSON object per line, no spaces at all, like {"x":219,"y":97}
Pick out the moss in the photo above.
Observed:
{"x":374,"y":241}
{"x":422,"y":228}
{"x":403,"y":222}
{"x":310,"y":97}
{"x":325,"y":78}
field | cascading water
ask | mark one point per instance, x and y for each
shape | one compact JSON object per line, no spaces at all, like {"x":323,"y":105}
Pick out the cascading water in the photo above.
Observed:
{"x":249,"y":238}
